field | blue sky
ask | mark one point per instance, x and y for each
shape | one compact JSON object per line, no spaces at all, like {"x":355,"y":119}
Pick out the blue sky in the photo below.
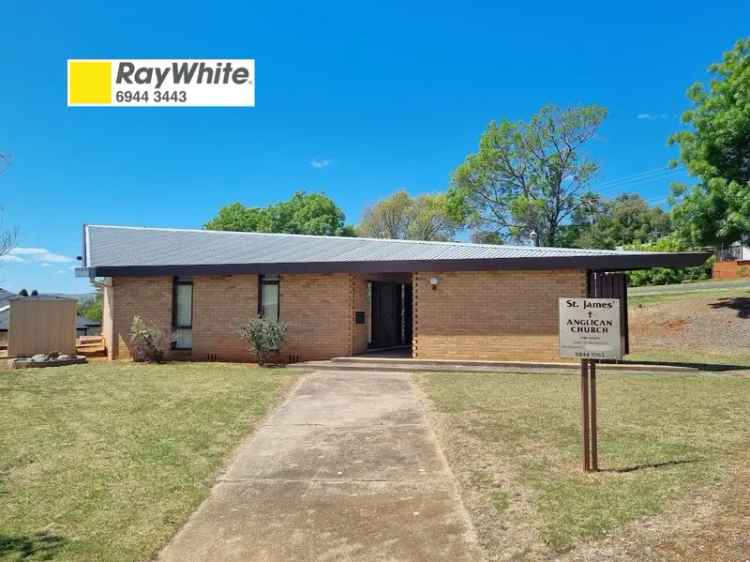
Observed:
{"x":356,"y":99}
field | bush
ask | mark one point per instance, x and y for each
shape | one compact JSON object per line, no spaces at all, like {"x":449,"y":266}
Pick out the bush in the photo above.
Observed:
{"x":264,"y":337}
{"x":663,"y":275}
{"x":149,"y":342}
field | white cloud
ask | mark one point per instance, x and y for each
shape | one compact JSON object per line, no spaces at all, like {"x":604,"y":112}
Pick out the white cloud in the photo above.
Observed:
{"x":37,"y":255}
{"x":652,"y":116}
{"x":10,"y":257}
{"x":46,"y":265}
{"x":320,"y":163}
{"x":60,"y":272}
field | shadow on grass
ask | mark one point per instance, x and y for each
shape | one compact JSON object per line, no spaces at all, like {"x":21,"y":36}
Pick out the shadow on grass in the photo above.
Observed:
{"x":39,"y":546}
{"x":717,"y":367}
{"x":645,"y":466}
{"x":740,"y":304}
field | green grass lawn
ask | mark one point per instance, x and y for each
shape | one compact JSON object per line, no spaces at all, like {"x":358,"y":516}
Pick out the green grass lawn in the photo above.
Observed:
{"x":635,"y":299}
{"x":515,"y":438}
{"x":106,"y":461}
{"x":715,"y":358}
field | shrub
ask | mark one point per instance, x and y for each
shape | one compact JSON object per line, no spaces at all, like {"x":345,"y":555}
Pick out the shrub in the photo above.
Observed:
{"x":149,"y":342}
{"x":264,"y":336}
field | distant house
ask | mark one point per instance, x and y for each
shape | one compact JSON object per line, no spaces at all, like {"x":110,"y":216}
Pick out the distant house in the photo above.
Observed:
{"x":739,"y":251}
{"x":732,"y":261}
{"x":86,"y":327}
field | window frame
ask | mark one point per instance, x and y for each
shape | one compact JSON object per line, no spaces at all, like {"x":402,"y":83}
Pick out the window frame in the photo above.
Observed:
{"x":176,"y":282}
{"x":269,"y":280}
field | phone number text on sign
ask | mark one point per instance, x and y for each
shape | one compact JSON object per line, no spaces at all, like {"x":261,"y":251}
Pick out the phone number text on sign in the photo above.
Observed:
{"x":161,"y":82}
{"x":129,"y":96}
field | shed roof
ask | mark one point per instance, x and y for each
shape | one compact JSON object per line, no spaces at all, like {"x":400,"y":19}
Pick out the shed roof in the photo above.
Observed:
{"x":121,"y":250}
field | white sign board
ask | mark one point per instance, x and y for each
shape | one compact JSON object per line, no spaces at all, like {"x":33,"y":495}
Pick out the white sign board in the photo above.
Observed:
{"x":590,"y":328}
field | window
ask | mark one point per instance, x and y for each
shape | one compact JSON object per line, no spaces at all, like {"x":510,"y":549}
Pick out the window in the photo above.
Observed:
{"x":268,"y":297}
{"x":182,"y":313}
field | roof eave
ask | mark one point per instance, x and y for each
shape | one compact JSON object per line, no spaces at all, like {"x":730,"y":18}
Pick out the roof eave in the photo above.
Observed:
{"x":612,"y":262}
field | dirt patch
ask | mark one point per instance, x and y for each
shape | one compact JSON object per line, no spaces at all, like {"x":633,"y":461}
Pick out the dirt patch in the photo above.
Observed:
{"x":694,"y":323}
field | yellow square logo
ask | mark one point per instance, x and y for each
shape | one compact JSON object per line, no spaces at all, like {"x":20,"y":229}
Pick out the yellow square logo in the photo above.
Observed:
{"x":89,"y":82}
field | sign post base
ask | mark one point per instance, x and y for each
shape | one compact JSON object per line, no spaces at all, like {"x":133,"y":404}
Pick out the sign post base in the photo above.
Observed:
{"x":588,"y":417}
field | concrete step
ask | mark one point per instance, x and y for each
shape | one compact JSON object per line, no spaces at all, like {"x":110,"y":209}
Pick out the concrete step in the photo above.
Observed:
{"x":92,"y":354}
{"x":440,"y":366}
{"x":91,"y":346}
{"x":374,"y":360}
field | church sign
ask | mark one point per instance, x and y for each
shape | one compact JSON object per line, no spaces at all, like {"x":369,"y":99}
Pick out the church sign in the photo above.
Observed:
{"x":590,"y":328}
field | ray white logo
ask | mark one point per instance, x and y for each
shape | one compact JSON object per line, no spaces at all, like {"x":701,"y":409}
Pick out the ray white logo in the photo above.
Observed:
{"x":162,"y":83}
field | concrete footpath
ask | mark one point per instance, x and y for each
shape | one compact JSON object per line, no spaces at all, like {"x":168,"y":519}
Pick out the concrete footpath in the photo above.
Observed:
{"x":346,"y":469}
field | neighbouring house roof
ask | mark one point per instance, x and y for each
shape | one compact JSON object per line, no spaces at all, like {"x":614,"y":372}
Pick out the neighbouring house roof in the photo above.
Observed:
{"x":83,"y":323}
{"x":119,"y":250}
{"x":4,"y":296}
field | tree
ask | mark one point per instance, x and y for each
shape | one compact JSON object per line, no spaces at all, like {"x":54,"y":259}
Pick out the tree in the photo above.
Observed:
{"x":627,"y":219}
{"x":388,"y":218}
{"x":303,"y":213}
{"x":716,"y":150}
{"x":528,"y":179}
{"x":663,"y":275}
{"x":403,"y":217}
{"x":486,"y":237}
{"x":91,"y":308}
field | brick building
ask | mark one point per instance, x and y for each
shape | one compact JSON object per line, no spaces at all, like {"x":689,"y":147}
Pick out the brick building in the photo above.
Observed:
{"x":343,"y":296}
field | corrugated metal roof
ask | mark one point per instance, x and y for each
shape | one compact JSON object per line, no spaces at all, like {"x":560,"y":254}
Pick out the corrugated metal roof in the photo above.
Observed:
{"x":115,"y":248}
{"x":128,"y":246}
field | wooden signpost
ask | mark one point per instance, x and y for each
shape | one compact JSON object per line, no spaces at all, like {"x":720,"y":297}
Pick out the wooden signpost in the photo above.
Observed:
{"x":590,"y":330}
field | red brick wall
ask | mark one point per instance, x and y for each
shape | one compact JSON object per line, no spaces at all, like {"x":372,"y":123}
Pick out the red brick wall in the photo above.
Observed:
{"x":731,"y":269}
{"x":221,"y":306}
{"x":501,"y":315}
{"x":319,"y":311}
{"x":148,"y":297}
{"x":471,"y":315}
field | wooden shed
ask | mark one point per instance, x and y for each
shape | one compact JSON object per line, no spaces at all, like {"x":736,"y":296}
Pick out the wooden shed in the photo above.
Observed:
{"x":41,"y":324}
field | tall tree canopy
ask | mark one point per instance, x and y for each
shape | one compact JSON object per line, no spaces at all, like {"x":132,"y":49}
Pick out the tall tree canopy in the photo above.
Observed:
{"x":624,"y":220}
{"x":716,"y":150}
{"x":303,"y":213}
{"x":528,"y":179}
{"x":408,"y":218}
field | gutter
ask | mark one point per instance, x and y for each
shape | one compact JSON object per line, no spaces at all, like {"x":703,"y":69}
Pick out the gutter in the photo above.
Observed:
{"x":611,"y":262}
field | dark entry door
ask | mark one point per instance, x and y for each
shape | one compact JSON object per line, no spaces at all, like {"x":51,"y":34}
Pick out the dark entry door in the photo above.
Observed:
{"x":386,"y":314}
